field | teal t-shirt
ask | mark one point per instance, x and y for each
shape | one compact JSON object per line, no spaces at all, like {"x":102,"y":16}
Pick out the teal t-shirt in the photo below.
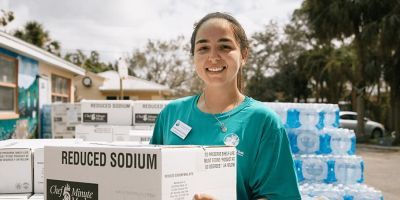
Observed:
{"x":265,"y":166}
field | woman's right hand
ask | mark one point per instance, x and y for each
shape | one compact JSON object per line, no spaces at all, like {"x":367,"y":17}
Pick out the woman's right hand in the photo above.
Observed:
{"x":203,"y":197}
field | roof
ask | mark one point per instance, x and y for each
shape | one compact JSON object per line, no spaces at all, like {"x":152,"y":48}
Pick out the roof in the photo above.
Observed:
{"x":131,"y":83}
{"x":21,"y":47}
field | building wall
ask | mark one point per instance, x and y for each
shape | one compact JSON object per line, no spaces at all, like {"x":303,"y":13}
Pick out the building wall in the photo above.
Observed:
{"x":92,"y":92}
{"x":25,"y":124}
{"x":46,"y":70}
{"x":138,"y":95}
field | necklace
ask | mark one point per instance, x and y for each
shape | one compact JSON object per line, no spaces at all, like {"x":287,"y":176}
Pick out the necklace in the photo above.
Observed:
{"x":224,"y":129}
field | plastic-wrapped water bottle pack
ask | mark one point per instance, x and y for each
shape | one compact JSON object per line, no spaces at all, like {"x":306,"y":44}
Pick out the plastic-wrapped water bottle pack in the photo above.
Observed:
{"x":339,"y":192}
{"x":324,"y":154}
{"x":332,"y":169}
{"x":335,"y":141}
{"x":307,"y":115}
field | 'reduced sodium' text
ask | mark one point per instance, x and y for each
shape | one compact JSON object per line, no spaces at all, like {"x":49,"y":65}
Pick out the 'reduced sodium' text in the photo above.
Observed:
{"x":120,"y":160}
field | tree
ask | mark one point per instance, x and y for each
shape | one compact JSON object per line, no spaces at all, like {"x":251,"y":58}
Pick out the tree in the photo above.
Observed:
{"x":91,"y":63}
{"x":389,"y":48}
{"x":262,"y":60}
{"x":34,"y":33}
{"x":342,"y":19}
{"x":6,"y":17}
{"x":167,"y":63}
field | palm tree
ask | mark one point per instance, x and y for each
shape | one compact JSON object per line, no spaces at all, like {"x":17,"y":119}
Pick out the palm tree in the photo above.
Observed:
{"x":342,"y":19}
{"x":389,"y":48}
{"x":34,"y":33}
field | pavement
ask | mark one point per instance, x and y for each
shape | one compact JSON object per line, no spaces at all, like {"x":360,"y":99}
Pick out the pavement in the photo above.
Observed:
{"x":381,"y":168}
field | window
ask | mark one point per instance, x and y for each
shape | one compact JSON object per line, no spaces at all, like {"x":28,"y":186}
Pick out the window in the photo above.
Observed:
{"x":111,"y":98}
{"x":8,"y":87}
{"x":116,"y":98}
{"x":60,"y":89}
{"x":349,"y":117}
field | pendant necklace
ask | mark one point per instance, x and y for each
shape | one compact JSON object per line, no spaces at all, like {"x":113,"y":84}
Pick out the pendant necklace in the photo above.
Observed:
{"x":224,"y":129}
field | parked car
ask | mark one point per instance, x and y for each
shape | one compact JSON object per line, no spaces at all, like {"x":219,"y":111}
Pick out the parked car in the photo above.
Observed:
{"x":373,"y":129}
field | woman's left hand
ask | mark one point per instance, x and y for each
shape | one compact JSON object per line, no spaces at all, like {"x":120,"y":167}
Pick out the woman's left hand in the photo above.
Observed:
{"x":203,"y":197}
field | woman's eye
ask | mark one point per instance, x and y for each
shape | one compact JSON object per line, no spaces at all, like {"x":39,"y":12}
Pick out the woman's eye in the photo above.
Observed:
{"x":202,"y":48}
{"x":226,"y":47}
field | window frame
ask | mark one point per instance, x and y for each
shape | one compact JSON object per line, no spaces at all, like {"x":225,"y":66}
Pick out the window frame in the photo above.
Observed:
{"x":11,"y":114}
{"x":61,"y":95}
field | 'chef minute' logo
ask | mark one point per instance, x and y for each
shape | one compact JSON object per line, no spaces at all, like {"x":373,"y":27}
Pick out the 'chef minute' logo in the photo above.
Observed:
{"x":69,"y":190}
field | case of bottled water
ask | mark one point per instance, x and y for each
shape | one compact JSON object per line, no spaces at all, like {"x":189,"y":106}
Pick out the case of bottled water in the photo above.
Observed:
{"x":327,"y":141}
{"x":342,"y":169}
{"x":338,"y":141}
{"x":305,"y":141}
{"x":324,"y":154}
{"x":296,"y":115}
{"x":339,"y":192}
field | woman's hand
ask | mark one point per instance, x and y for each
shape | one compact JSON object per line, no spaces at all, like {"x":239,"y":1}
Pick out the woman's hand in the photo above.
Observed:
{"x":203,"y":197}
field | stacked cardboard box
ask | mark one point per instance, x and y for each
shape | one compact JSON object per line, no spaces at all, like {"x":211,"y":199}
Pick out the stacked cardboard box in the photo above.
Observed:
{"x":146,"y":112}
{"x":118,"y":121}
{"x":21,"y":164}
{"x":65,"y":116}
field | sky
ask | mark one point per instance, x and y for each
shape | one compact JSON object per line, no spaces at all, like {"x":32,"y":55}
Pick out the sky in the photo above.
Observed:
{"x":116,"y":28}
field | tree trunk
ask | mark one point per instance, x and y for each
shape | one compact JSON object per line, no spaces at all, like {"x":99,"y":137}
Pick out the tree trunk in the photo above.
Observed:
{"x":396,"y":111}
{"x":361,"y":114}
{"x":390,"y":111}
{"x":360,"y":87}
{"x":353,"y":99}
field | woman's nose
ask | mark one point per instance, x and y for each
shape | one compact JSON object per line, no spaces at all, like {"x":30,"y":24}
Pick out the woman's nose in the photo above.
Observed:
{"x":214,"y":57}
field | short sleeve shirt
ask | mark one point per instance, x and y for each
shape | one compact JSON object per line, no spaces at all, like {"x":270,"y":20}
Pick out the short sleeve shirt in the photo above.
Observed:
{"x":265,"y":166}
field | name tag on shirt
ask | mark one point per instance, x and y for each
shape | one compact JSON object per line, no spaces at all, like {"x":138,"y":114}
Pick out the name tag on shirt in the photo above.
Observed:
{"x":181,"y":129}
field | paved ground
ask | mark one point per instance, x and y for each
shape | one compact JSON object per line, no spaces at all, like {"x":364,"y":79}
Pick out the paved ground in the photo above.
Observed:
{"x":382,"y":169}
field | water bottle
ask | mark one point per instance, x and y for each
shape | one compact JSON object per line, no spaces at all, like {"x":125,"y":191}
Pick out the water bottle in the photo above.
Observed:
{"x":341,"y":142}
{"x":340,"y":192}
{"x":308,"y":141}
{"x":314,"y":168}
{"x":349,"y":169}
{"x":308,"y":115}
{"x":331,"y":116}
{"x":293,"y":116}
{"x":363,"y":192}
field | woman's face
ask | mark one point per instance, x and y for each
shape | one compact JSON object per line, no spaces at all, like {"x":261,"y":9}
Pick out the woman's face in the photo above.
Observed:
{"x":217,"y":55}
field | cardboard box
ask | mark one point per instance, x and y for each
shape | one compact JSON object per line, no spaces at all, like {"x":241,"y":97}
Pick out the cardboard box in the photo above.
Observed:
{"x":108,"y":133}
{"x":37,"y":197}
{"x":107,"y":171}
{"x":146,"y":112}
{"x":18,"y":175}
{"x":107,"y":112}
{"x":65,"y":116}
{"x":121,"y":133}
{"x":15,"y":168}
{"x":140,"y":136}
{"x":102,"y":133}
{"x":24,"y":196}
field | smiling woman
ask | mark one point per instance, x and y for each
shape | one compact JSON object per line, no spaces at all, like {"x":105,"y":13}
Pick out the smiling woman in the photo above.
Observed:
{"x":223,"y":115}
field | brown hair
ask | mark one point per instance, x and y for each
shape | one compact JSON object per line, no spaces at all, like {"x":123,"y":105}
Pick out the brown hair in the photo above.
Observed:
{"x":238,"y":31}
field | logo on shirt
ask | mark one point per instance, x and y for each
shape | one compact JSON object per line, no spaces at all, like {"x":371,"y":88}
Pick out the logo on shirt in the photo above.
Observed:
{"x":231,"y":139}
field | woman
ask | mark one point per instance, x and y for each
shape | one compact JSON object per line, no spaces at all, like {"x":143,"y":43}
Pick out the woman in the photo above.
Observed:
{"x":221,"y":114}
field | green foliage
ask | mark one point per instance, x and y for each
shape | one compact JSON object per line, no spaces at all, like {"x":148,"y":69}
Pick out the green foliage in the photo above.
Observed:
{"x":167,"y":63}
{"x":6,"y":17}
{"x":91,"y":63}
{"x":34,"y":33}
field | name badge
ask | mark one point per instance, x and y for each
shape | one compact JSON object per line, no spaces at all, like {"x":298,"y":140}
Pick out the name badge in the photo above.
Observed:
{"x":181,"y":129}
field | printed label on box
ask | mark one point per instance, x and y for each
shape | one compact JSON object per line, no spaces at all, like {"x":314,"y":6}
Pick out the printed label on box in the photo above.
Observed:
{"x":69,"y":190}
{"x":145,"y":118}
{"x":94,"y":117}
